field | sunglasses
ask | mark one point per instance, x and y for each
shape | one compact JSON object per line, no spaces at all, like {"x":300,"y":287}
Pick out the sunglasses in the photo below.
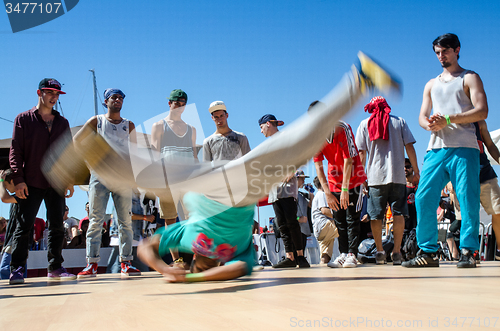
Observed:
{"x":408,"y":166}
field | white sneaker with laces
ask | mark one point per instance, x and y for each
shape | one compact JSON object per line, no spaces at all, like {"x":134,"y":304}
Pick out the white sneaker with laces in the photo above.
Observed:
{"x":339,"y":261}
{"x":350,"y":261}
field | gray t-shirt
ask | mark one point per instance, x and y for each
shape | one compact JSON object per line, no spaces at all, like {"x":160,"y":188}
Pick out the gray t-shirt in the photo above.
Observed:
{"x":302,"y":211}
{"x":284,"y":190}
{"x":319,"y":220}
{"x":386,"y":158}
{"x":218,"y":147}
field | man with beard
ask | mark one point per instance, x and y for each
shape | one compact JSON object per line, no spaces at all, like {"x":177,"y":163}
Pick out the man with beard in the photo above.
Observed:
{"x":457,"y":99}
{"x":117,"y":131}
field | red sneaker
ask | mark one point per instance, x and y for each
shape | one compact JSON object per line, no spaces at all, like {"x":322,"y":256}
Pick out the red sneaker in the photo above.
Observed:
{"x":129,"y":270}
{"x":89,"y":271}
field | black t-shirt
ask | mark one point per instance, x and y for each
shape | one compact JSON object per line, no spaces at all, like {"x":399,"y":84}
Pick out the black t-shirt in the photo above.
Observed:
{"x":411,"y":218}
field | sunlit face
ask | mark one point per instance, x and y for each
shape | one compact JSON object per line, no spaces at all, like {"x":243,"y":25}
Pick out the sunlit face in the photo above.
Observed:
{"x":264,"y":129}
{"x":446,"y":56}
{"x":177,"y":105}
{"x":48,"y":98}
{"x":220,"y":118}
{"x":114,"y":102}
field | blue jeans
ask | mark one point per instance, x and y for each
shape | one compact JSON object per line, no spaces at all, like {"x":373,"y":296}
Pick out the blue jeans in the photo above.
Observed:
{"x":5,"y":267}
{"x":461,"y":167}
{"x":98,"y":201}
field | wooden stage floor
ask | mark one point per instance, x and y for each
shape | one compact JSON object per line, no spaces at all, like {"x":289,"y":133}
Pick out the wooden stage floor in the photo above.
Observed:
{"x":365,"y":298}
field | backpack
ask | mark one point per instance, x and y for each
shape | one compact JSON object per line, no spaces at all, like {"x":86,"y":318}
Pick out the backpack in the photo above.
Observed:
{"x":367,"y":249}
{"x":410,"y":247}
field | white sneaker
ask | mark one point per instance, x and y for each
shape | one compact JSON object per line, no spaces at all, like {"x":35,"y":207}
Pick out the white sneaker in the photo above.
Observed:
{"x":350,"y":261}
{"x":339,"y":261}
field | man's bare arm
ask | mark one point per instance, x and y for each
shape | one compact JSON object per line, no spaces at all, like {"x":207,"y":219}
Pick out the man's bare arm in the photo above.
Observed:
{"x":426,"y":107}
{"x":488,"y":142}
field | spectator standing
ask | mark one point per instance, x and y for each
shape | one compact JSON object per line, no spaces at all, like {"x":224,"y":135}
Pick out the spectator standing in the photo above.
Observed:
{"x":224,"y":144}
{"x":284,"y":200}
{"x":345,"y":179}
{"x":34,"y":132}
{"x":117,"y":131}
{"x":457,"y":99}
{"x":382,"y":139}
{"x":411,"y":189}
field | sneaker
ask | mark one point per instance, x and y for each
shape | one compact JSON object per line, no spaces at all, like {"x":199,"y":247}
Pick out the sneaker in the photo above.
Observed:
{"x":89,"y":271}
{"x":467,"y":259}
{"x":350,"y":261}
{"x":477,"y":257}
{"x":422,"y":259}
{"x":380,"y":258}
{"x":60,"y":274}
{"x":371,"y":74}
{"x":302,"y":262}
{"x":129,"y":270}
{"x":497,"y":255}
{"x":397,"y":258}
{"x":17,"y":276}
{"x":286,"y":263}
{"x":338,"y":262}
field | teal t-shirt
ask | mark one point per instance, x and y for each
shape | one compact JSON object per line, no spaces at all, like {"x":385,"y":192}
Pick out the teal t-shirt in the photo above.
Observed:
{"x":213,"y":230}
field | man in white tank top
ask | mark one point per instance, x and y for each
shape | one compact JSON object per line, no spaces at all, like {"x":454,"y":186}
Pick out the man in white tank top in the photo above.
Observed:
{"x":118,"y":132}
{"x":457,"y":99}
{"x":174,"y":139}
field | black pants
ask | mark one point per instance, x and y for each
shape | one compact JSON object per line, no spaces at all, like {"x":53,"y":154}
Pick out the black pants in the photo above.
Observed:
{"x":348,"y":223}
{"x":29,"y":207}
{"x":285,"y":210}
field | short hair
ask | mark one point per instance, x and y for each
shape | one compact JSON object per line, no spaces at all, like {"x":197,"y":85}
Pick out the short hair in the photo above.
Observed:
{"x":407,"y":160}
{"x":447,"y":40}
{"x":317,"y":183}
{"x":8,"y":175}
{"x":314,"y":103}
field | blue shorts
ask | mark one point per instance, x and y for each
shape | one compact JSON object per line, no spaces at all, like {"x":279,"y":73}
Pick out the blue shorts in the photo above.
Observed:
{"x":380,"y":195}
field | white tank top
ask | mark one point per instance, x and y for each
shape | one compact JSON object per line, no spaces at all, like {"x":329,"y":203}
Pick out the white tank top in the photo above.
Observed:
{"x":449,"y":98}
{"x":116,"y":135}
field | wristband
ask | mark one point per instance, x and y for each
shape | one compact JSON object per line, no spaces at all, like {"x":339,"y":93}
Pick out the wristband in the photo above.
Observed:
{"x":144,"y":219}
{"x":345,"y":189}
{"x":448,"y":121}
{"x":197,"y":277}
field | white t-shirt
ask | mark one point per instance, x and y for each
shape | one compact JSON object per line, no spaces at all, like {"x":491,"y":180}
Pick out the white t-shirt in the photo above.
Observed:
{"x":319,"y":220}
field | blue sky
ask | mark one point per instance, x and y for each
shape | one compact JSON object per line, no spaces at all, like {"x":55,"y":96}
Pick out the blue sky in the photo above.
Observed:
{"x":258,"y":57}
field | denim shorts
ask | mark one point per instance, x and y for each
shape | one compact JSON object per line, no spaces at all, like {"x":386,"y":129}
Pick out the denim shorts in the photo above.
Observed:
{"x":380,"y":195}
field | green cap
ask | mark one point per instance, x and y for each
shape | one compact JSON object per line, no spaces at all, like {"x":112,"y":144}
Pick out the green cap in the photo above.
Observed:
{"x":178,"y":94}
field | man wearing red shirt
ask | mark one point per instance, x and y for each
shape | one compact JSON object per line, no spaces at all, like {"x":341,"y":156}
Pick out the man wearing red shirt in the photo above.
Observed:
{"x":345,"y":177}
